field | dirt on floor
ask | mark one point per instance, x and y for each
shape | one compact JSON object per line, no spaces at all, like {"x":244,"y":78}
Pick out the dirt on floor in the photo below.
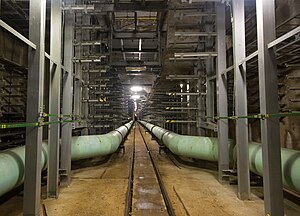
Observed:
{"x":101,"y":190}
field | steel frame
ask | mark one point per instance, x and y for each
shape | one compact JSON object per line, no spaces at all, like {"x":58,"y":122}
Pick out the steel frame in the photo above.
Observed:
{"x":223,"y":157}
{"x":268,"y":92}
{"x":241,"y":100}
{"x":36,"y":59}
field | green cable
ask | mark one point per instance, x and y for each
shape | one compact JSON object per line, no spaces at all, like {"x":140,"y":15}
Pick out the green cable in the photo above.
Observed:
{"x":17,"y":125}
{"x":257,"y":116}
{"x":36,"y":124}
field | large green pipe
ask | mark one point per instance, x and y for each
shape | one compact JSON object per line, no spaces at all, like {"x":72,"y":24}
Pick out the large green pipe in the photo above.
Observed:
{"x":12,"y":167}
{"x":206,"y":148}
{"x":12,"y":161}
{"x":98,"y":145}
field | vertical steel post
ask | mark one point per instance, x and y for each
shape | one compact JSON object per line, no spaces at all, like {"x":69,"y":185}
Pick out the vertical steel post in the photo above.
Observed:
{"x":200,"y":101}
{"x":268,"y":92}
{"x":33,"y":151}
{"x":188,"y":98}
{"x":210,"y":84}
{"x":210,"y":89}
{"x":239,"y":53}
{"x":78,"y":68}
{"x":54,"y":102}
{"x":86,"y":20}
{"x":222,"y":104}
{"x":65,"y":164}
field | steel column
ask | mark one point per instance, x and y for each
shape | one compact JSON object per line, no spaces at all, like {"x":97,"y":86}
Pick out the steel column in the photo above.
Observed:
{"x":268,"y":92}
{"x":65,"y":163}
{"x":210,"y":89}
{"x":239,"y":53}
{"x":222,"y":104}
{"x":200,"y":101}
{"x":54,"y":102}
{"x":86,"y":20}
{"x":210,"y":84}
{"x":78,"y":70}
{"x":36,"y":61}
{"x":188,"y":129}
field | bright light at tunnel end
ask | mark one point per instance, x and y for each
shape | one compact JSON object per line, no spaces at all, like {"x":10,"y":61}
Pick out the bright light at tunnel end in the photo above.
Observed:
{"x":136,"y":88}
{"x":135,"y":97}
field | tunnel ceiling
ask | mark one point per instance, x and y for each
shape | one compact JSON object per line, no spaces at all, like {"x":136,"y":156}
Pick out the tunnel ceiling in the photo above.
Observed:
{"x":163,"y":46}
{"x":126,"y":43}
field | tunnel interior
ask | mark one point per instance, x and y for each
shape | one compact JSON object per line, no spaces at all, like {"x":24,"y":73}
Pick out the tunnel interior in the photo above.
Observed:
{"x":210,"y":85}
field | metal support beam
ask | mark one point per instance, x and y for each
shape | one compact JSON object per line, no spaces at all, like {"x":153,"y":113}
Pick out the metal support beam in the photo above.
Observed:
{"x":194,"y":34}
{"x":223,"y":156}
{"x":65,"y":164}
{"x":78,"y":71}
{"x":200,"y":101}
{"x":239,"y":53}
{"x":17,"y":34}
{"x":195,"y":54}
{"x":210,"y":84}
{"x":268,"y":92}
{"x":36,"y":61}
{"x":86,"y":20}
{"x":54,"y":99}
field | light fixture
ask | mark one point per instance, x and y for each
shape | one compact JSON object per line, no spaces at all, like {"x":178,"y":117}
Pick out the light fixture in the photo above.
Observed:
{"x":136,"y":69}
{"x":136,"y":88}
{"x":140,"y":49}
{"x":135,"y":97}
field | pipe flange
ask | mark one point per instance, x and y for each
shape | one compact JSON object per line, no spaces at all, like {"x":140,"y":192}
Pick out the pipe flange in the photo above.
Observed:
{"x":126,"y":127}
{"x":152,"y":128}
{"x":165,"y":134}
{"x":120,"y":133}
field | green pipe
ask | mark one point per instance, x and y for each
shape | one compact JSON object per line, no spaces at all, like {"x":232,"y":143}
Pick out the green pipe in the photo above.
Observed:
{"x":206,"y":148}
{"x":12,"y":161}
{"x":98,"y":145}
{"x":290,"y":165}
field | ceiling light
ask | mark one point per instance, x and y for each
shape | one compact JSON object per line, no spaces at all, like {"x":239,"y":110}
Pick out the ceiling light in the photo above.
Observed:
{"x":135,"y":97}
{"x":136,"y":88}
{"x":136,"y":68}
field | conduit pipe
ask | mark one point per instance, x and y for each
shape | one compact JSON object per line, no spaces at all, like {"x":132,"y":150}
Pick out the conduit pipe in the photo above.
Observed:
{"x":12,"y":167}
{"x":206,"y":148}
{"x":98,"y":145}
{"x":12,"y":161}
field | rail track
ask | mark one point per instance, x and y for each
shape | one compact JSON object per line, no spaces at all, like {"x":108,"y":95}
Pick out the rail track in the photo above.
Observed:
{"x":143,"y":169}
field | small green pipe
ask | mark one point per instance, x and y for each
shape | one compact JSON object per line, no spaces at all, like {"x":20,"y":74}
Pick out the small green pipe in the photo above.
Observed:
{"x":12,"y":161}
{"x":206,"y":148}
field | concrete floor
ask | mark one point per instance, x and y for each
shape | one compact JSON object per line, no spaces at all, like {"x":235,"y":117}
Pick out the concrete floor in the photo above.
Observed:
{"x":101,"y":190}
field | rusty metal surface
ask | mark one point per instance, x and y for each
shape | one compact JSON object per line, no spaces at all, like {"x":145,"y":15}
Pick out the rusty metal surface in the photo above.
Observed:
{"x":147,"y":197}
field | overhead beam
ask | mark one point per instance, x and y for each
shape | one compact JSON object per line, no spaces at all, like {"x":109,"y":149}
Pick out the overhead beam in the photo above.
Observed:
{"x":134,"y":35}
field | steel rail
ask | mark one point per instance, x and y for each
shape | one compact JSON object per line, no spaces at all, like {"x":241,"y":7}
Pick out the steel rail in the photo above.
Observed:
{"x":159,"y":179}
{"x":128,"y":205}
